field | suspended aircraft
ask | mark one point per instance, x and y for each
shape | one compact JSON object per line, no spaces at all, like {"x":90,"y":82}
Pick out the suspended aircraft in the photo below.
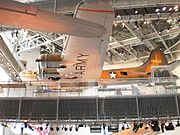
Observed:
{"x":82,"y":58}
{"x":50,"y":64}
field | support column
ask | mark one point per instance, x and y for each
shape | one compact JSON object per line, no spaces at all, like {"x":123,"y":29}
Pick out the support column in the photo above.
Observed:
{"x":177,"y":106}
{"x":137,"y":105}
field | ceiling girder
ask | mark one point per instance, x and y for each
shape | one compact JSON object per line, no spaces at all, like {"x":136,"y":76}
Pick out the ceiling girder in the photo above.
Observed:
{"x":162,"y":40}
{"x":138,"y":33}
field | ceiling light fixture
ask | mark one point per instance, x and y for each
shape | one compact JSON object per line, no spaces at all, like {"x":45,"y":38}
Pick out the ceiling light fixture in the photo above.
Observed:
{"x":169,"y":21}
{"x":157,"y":10}
{"x":146,"y":22}
{"x":136,"y":25}
{"x":176,"y":7}
{"x":158,"y":13}
{"x":118,"y":16}
{"x":164,"y":9}
{"x":136,"y":11}
{"x":176,"y":10}
{"x":170,"y":9}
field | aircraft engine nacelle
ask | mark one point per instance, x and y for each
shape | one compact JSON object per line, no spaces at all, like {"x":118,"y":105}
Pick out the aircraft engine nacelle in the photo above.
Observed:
{"x":48,"y":65}
{"x":49,"y":61}
{"x":50,"y":58}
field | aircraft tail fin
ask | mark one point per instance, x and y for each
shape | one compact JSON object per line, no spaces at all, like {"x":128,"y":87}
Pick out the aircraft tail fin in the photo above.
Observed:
{"x":87,"y":54}
{"x":157,"y":58}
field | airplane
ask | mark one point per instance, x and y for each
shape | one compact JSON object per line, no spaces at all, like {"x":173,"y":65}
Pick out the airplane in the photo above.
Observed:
{"x":82,"y":58}
{"x":156,"y":58}
{"x":20,"y":15}
{"x":50,"y":63}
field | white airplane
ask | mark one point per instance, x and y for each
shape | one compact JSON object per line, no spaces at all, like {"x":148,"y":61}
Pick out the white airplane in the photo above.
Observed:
{"x":83,"y":58}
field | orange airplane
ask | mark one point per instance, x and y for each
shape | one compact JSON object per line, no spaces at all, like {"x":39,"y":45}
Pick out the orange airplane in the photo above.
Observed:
{"x":157,"y":58}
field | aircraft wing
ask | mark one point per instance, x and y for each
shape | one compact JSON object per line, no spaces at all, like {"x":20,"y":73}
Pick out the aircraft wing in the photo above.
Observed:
{"x":20,"y":15}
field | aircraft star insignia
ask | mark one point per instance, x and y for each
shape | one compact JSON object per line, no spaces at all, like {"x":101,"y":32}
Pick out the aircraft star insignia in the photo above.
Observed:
{"x":112,"y":75}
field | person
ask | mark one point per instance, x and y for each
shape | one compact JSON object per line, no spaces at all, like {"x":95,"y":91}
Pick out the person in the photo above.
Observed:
{"x":162,"y":126}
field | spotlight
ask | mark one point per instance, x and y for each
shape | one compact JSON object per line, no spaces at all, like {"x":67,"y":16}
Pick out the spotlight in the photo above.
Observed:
{"x":76,"y":128}
{"x":113,"y":128}
{"x":41,"y":128}
{"x":95,"y":128}
{"x":57,"y":128}
{"x":65,"y":129}
{"x":51,"y":128}
{"x":70,"y":128}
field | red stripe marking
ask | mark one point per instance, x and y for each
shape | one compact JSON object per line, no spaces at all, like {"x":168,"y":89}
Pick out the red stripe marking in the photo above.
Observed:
{"x":95,"y":10}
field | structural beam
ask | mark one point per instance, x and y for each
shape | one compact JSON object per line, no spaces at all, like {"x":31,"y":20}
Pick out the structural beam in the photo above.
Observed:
{"x":162,"y":40}
{"x":138,"y":33}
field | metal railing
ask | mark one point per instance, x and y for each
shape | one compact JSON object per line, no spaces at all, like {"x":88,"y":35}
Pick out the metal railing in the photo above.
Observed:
{"x":90,"y":108}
